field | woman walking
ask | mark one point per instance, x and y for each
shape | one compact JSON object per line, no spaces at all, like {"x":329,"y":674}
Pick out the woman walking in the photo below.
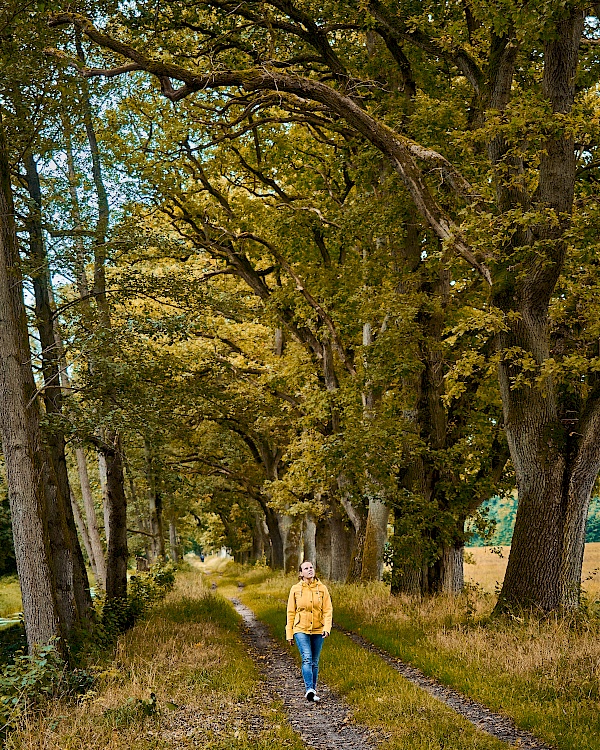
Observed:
{"x":309,"y":616}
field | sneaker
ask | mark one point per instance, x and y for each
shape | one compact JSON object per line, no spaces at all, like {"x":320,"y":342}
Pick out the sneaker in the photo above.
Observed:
{"x":310,"y":695}
{"x":316,"y":698}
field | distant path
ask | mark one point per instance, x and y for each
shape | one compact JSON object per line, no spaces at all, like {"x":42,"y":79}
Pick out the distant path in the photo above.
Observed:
{"x":483,"y":718}
{"x":323,"y":726}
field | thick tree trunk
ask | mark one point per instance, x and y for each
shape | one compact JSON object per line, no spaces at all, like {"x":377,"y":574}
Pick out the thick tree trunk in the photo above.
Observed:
{"x":533,"y":572}
{"x":290,"y":529}
{"x":258,"y":537}
{"x":277,"y":558}
{"x":116,"y":562}
{"x":343,"y":541}
{"x":21,"y":440}
{"x":407,"y":580}
{"x":376,"y":534}
{"x":309,"y":539}
{"x":544,"y":564}
{"x":452,"y":578}
{"x":323,"y":547}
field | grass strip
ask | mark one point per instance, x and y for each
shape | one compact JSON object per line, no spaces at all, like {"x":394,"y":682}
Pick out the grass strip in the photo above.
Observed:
{"x":544,"y":675}
{"x":409,"y":718}
{"x":180,"y":679}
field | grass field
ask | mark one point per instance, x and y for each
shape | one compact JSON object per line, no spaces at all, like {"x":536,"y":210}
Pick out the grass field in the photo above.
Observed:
{"x":183,"y":679}
{"x":405,"y":717}
{"x":486,"y":566}
{"x":10,"y":596}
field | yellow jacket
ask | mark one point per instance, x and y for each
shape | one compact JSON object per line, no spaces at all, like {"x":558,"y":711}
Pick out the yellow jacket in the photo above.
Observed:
{"x":309,"y":609}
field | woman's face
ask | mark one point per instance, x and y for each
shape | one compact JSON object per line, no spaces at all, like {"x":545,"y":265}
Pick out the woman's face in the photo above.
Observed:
{"x":307,"y":571}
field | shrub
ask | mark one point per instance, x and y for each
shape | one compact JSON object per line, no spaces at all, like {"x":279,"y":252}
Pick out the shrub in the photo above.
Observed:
{"x":32,"y":679}
{"x":145,"y":590}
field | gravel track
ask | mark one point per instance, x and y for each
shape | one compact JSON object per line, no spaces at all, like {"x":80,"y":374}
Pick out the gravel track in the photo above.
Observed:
{"x":323,"y":726}
{"x":483,"y":718}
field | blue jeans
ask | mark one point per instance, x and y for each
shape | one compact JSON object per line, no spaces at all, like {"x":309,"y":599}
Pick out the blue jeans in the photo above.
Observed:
{"x":309,"y":647}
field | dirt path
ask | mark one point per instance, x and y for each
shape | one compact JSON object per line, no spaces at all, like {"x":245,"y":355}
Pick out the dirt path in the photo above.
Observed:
{"x":495,"y":724}
{"x":323,"y":726}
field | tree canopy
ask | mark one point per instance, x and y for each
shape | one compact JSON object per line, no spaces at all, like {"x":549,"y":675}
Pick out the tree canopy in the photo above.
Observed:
{"x":314,"y":270}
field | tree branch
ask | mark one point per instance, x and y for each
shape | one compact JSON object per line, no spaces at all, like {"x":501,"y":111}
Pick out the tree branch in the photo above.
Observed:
{"x":394,"y":146}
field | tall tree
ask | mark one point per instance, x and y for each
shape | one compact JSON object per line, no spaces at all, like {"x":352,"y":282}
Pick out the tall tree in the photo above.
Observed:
{"x":21,"y":438}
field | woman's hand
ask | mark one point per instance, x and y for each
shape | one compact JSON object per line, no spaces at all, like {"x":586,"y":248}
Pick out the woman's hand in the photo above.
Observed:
{"x":291,"y":641}
{"x":325,"y":634}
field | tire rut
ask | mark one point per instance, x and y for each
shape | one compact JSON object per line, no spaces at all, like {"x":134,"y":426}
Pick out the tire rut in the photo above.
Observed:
{"x":479,"y":715}
{"x":323,"y":726}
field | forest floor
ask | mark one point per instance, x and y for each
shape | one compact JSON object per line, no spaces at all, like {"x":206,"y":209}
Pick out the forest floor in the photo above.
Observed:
{"x":395,"y":675}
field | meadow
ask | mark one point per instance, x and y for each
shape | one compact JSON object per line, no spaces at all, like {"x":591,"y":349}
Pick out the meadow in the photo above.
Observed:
{"x":485,"y":567}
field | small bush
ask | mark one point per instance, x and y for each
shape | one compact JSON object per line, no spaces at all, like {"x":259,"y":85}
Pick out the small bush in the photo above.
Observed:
{"x":145,"y":590}
{"x":131,"y":712}
{"x":34,"y":678}
{"x":12,"y":642}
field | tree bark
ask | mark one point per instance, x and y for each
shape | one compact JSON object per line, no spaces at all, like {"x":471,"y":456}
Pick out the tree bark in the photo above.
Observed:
{"x":91,"y":520}
{"x":117,"y":554}
{"x":103,"y":477}
{"x":376,"y":534}
{"x":452,"y":579}
{"x":173,"y":541}
{"x":277,"y":557}
{"x":323,"y":547}
{"x":343,"y":542}
{"x":21,"y":439}
{"x":290,"y":530}
{"x":83,"y":533}
{"x":309,"y":539}
{"x":258,"y":537}
{"x":154,"y":505}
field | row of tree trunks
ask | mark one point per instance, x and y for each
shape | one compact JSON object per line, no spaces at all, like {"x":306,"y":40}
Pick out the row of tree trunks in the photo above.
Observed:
{"x":69,"y":568}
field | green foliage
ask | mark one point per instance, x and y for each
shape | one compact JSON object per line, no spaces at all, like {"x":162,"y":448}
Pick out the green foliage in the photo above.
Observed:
{"x":144,"y":591}
{"x":131,"y":712}
{"x":502,"y":511}
{"x":32,"y":679}
{"x":12,"y":641}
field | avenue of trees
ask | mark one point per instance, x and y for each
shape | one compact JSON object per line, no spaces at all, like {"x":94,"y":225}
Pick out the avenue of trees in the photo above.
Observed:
{"x":298,"y":279}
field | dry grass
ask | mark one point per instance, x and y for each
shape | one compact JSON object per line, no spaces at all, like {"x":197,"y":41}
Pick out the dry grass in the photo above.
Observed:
{"x":544,"y":673}
{"x":486,"y":567}
{"x":402,"y":715}
{"x":188,"y":654}
{"x":10,"y":596}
